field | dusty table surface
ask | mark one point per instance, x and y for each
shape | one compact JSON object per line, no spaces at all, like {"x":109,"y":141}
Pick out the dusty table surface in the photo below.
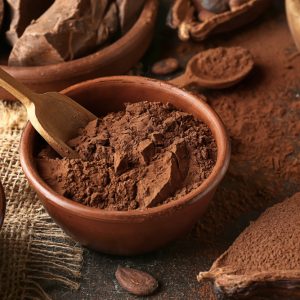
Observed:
{"x":177,"y":265}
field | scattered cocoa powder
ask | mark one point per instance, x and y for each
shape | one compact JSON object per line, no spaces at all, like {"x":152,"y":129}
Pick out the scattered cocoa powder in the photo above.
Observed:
{"x":221,"y":63}
{"x":266,"y":255}
{"x":262,"y":116}
{"x":141,"y":157}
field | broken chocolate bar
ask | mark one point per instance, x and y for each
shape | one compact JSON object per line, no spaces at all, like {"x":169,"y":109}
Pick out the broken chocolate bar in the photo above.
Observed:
{"x":67,"y":30}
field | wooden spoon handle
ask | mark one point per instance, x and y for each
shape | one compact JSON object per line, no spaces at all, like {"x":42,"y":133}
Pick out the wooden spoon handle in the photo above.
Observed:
{"x":181,"y":81}
{"x":16,"y":88}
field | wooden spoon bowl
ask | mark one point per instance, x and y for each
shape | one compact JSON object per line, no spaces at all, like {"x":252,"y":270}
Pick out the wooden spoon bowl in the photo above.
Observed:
{"x":2,"y":204}
{"x":114,"y":59}
{"x":216,"y":68}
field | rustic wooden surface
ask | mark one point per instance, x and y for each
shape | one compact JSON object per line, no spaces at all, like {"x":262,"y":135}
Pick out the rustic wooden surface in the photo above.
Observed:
{"x":177,"y":265}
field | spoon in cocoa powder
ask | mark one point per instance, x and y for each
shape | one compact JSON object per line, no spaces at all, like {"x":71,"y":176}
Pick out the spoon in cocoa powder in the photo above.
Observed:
{"x":216,"y":68}
{"x":56,"y":117}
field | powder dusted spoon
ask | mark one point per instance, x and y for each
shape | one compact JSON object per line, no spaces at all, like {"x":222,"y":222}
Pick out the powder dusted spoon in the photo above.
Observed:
{"x":56,"y":117}
{"x":216,"y":68}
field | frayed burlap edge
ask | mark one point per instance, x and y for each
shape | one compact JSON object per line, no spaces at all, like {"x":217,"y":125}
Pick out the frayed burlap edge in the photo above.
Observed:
{"x":33,"y":250}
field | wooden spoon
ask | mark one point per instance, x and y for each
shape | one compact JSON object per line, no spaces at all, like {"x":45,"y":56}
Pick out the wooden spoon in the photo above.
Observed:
{"x":55,"y":117}
{"x":216,"y":68}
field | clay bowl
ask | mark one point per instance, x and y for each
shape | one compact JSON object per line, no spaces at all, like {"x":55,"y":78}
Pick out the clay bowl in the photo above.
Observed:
{"x":114,"y":59}
{"x":132,"y":232}
{"x":2,"y":204}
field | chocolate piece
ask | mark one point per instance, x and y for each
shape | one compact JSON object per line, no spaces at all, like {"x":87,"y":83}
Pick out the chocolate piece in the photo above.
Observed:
{"x":143,"y":156}
{"x":181,"y":18}
{"x":22,"y":13}
{"x":120,"y":163}
{"x":265,"y":259}
{"x":129,"y":12}
{"x":68,"y":29}
{"x":165,"y":66}
{"x":136,"y":282}
{"x":147,"y":150}
{"x":168,"y":174}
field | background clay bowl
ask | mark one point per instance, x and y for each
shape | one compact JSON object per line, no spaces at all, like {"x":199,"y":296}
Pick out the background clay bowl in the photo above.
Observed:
{"x":2,"y":204}
{"x":133,"y":232}
{"x":114,"y":59}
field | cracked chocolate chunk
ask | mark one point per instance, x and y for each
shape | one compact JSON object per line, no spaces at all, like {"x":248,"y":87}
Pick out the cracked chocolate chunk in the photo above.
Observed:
{"x":67,"y":30}
{"x":22,"y":13}
{"x":146,"y":150}
{"x":120,"y":163}
{"x":162,"y":183}
{"x":167,"y":174}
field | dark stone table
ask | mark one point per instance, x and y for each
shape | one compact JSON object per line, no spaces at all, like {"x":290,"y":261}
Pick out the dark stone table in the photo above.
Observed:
{"x":177,"y":265}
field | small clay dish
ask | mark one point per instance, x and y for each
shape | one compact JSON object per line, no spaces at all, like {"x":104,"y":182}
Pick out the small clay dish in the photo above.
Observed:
{"x":136,"y":231}
{"x":114,"y":59}
{"x":2,"y":205}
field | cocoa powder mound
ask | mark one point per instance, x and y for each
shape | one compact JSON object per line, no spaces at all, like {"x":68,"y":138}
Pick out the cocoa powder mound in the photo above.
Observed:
{"x":271,"y":243}
{"x":264,"y":259}
{"x":221,"y":63}
{"x":141,"y":157}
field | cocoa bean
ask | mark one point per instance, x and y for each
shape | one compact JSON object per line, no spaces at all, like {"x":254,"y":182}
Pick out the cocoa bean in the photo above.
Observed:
{"x":135,"y":281}
{"x":165,"y":66}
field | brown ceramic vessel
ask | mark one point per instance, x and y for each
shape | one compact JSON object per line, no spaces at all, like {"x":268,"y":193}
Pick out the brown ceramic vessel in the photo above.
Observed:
{"x":114,"y":59}
{"x":139,"y":231}
{"x":2,"y":204}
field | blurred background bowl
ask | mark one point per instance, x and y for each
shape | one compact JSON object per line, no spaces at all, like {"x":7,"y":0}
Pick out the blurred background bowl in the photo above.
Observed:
{"x":117,"y":58}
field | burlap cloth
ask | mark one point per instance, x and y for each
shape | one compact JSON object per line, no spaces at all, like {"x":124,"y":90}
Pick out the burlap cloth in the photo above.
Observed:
{"x":33,"y":250}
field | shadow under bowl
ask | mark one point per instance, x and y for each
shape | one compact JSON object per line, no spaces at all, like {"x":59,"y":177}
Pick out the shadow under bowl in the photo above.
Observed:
{"x":116,"y":58}
{"x":137,"y":231}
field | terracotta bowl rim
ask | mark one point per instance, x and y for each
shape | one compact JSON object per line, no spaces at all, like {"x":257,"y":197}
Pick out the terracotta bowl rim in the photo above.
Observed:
{"x":81,"y":63}
{"x":2,"y":204}
{"x":218,"y":172}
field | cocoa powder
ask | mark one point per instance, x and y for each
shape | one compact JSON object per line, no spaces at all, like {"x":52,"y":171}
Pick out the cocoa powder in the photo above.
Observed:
{"x":141,"y":157}
{"x":221,"y":63}
{"x":264,"y":258}
{"x":271,"y":243}
{"x":262,"y":118}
